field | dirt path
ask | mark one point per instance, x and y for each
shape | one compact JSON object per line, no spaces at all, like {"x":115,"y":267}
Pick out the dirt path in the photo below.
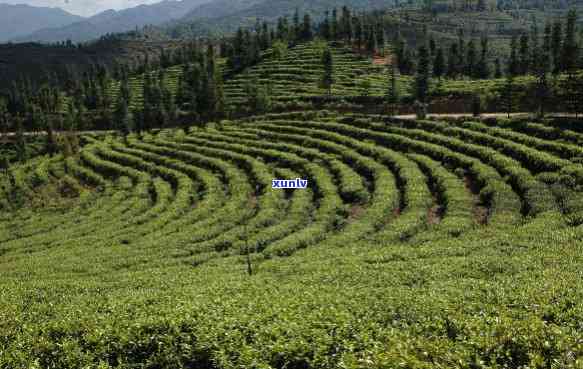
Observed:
{"x":485,"y":115}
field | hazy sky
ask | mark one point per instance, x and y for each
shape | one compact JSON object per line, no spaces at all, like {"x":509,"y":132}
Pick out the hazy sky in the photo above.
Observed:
{"x":83,"y":7}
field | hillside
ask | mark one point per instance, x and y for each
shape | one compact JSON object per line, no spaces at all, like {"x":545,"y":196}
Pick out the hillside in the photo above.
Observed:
{"x":35,"y":61}
{"x":416,"y":244}
{"x":293,"y":80}
{"x":20,"y":20}
{"x":224,"y":16}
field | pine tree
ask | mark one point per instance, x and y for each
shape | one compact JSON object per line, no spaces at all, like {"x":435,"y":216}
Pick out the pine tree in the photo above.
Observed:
{"x":572,"y":92}
{"x":4,"y":164}
{"x":371,"y":42}
{"x":524,"y":62}
{"x":497,"y":68}
{"x":51,"y":143}
{"x":122,"y":117}
{"x":221,"y":110}
{"x":422,"y":76}
{"x":346,"y":24}
{"x":460,"y":67}
{"x":513,"y":63}
{"x":258,"y":97}
{"x":509,"y":94}
{"x":296,"y":26}
{"x":547,"y":39}
{"x":556,"y":46}
{"x":476,"y":105}
{"x":334,"y":28}
{"x":3,"y":116}
{"x":542,"y":90}
{"x":307,"y":28}
{"x":432,"y":46}
{"x":21,"y":146}
{"x":325,"y":27}
{"x":138,"y":120}
{"x":471,"y":60}
{"x":358,"y":32}
{"x":483,"y":71}
{"x":535,"y":49}
{"x":452,"y":60}
{"x":393,"y":91}
{"x":327,"y":77}
{"x":569,"y":50}
{"x":439,"y":64}
{"x":403,"y":56}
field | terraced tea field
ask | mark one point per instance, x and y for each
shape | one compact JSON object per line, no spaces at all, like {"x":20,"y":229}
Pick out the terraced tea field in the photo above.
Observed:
{"x":297,"y":74}
{"x":417,"y":244}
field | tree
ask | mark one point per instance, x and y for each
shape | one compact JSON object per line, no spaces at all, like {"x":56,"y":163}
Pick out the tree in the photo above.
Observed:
{"x":471,"y":60}
{"x":138,"y":116}
{"x":122,"y":117}
{"x":476,"y":105}
{"x":21,"y":146}
{"x":392,"y":91}
{"x":3,"y":116}
{"x":358,"y":32}
{"x":541,"y":67}
{"x":371,"y":41}
{"x":556,"y":46}
{"x":524,"y":62}
{"x":51,"y":146}
{"x":438,"y":64}
{"x":452,"y":60}
{"x":325,"y":27}
{"x":513,"y":63}
{"x":509,"y":94}
{"x":535,"y":49}
{"x":569,"y":51}
{"x":334,"y":28}
{"x":327,"y":77}
{"x":4,"y":164}
{"x":547,"y":39}
{"x":346,"y":24}
{"x":483,"y":71}
{"x":258,"y":97}
{"x":307,"y":28}
{"x":572,"y":92}
{"x":432,"y":46}
{"x":542,"y":90}
{"x":296,"y":25}
{"x":497,"y":68}
{"x":461,"y":52}
{"x":422,"y":77}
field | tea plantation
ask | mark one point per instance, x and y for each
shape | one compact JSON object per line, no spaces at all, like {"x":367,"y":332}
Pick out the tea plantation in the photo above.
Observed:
{"x":417,"y":244}
{"x":293,"y":74}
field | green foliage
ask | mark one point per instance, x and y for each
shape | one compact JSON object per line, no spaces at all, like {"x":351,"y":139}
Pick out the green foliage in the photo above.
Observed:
{"x":147,"y":264}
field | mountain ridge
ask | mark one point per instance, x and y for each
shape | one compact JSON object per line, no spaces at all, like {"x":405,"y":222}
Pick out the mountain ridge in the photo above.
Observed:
{"x":112,"y":21}
{"x":21,"y":19}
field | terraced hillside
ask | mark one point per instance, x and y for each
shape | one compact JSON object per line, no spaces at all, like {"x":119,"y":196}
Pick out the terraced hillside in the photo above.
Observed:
{"x":417,"y":244}
{"x":298,"y":71}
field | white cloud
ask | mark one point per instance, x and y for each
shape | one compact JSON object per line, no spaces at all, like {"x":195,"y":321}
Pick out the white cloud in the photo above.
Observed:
{"x":84,"y":7}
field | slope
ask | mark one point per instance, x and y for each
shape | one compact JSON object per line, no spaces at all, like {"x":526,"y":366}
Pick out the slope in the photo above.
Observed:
{"x":115,"y":21}
{"x":20,"y":20}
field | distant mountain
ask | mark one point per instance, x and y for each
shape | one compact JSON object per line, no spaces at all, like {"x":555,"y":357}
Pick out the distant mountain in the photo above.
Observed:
{"x":21,"y":20}
{"x":112,"y":21}
{"x":227,"y":15}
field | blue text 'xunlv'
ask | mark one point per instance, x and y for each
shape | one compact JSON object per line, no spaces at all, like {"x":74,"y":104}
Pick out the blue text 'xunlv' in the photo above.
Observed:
{"x":289,"y":183}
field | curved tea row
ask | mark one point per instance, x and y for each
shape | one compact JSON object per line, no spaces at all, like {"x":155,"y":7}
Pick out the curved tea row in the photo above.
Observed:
{"x":190,"y":198}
